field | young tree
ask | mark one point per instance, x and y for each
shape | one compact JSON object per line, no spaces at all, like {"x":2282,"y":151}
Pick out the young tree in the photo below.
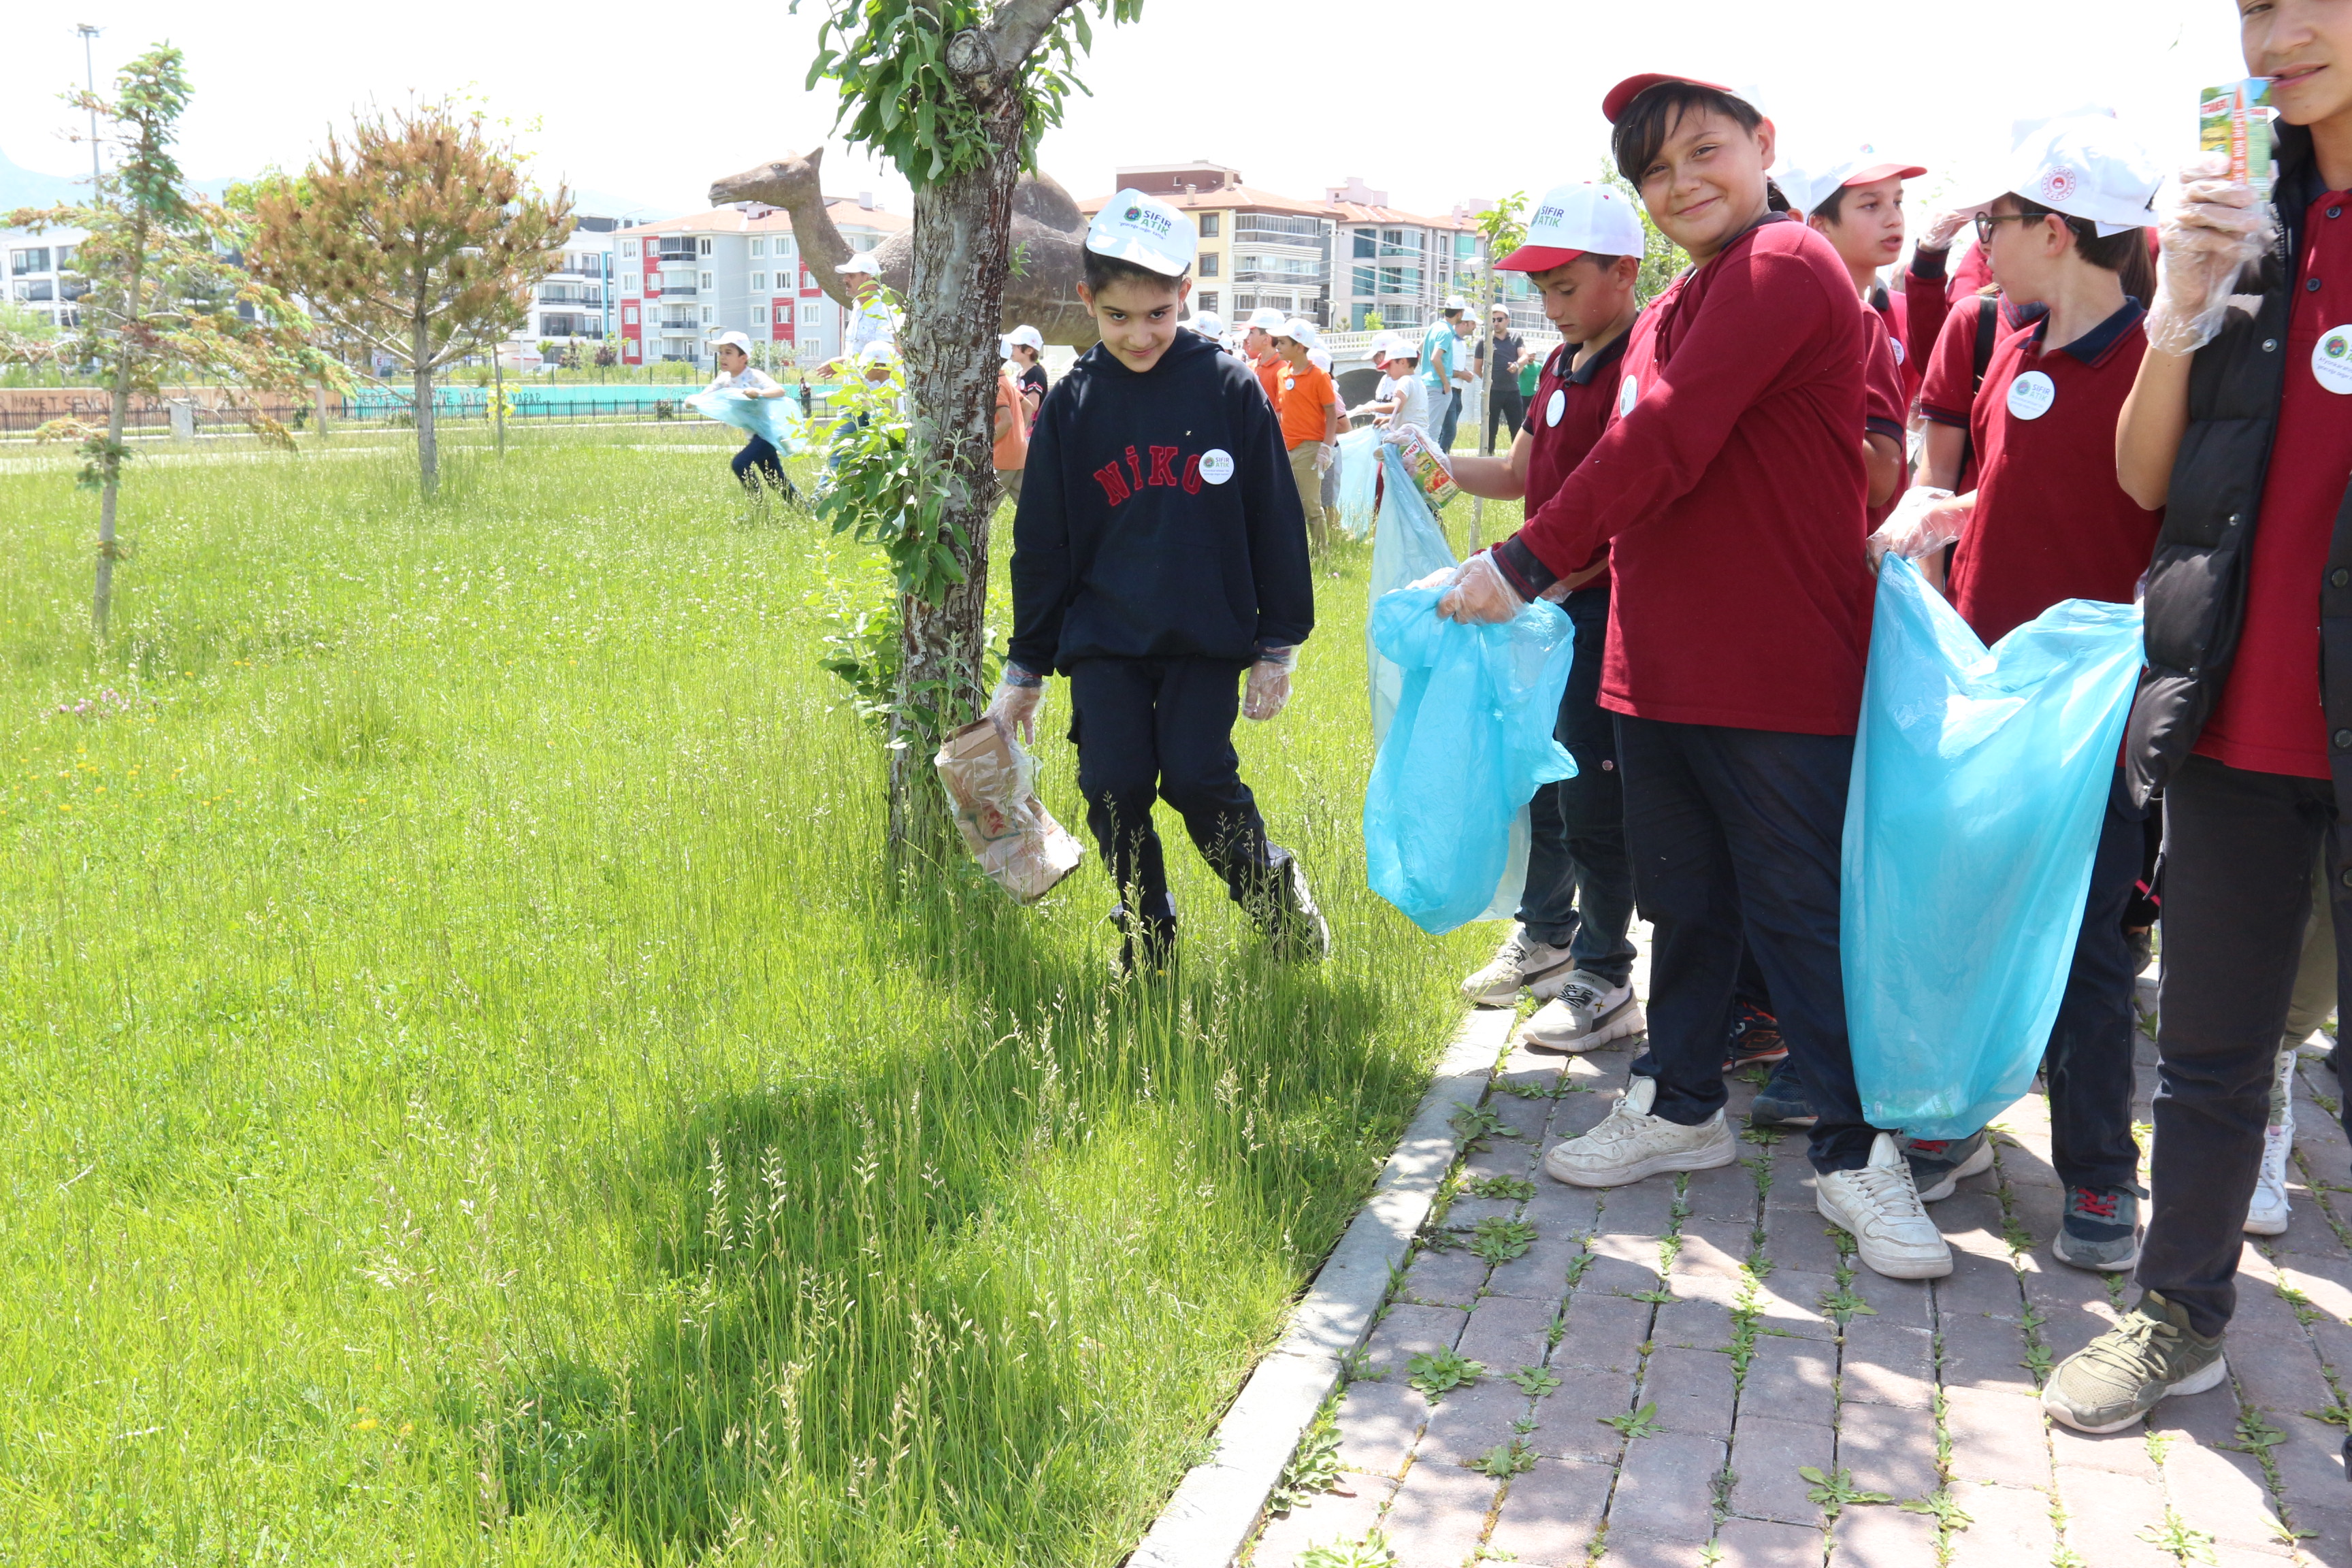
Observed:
{"x":164,"y":298}
{"x":419,"y":239}
{"x":956,"y":94}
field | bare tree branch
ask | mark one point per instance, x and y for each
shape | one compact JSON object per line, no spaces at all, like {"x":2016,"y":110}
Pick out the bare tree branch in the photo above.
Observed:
{"x":1020,"y":26}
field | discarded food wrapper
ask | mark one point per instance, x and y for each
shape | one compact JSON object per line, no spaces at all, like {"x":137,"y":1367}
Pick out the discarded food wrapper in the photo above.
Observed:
{"x":992,"y":783}
{"x":1426,"y":465}
{"x":2235,"y":118}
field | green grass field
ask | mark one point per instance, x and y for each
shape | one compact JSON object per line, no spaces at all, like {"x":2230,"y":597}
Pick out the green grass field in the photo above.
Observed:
{"x":474,"y":1096}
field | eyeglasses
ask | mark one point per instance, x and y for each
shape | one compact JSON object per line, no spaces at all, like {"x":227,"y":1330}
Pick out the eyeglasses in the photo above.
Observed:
{"x":1985,"y":222}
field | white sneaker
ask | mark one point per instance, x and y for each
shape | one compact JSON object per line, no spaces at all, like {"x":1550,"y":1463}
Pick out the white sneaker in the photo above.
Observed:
{"x":2267,"y":1215}
{"x":1880,"y":1208}
{"x":1631,"y":1143}
{"x":1522,"y":964}
{"x":1589,"y":1012}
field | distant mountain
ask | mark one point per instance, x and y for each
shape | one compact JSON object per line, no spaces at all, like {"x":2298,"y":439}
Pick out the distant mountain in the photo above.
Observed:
{"x":22,"y":187}
{"x":590,"y":201}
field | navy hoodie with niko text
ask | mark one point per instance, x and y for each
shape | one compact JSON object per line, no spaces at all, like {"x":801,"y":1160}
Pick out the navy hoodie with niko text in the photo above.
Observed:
{"x":1159,"y":518}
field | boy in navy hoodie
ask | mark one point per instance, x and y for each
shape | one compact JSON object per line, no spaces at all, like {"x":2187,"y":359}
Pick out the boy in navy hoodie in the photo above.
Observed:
{"x":1160,"y":552}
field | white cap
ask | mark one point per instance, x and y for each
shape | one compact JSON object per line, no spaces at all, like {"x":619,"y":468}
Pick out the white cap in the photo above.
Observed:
{"x":1572,"y":220}
{"x":1320,"y":359}
{"x":2086,"y":165}
{"x":1809,"y":177}
{"x":1455,"y":302}
{"x":861,"y":262}
{"x":1401,"y":347}
{"x":877,"y":353}
{"x":1208,"y":323}
{"x":1145,"y":230}
{"x":1022,"y":337}
{"x":1264,"y":318}
{"x":737,"y":338}
{"x":1300,"y":329}
{"x":1383,"y":345}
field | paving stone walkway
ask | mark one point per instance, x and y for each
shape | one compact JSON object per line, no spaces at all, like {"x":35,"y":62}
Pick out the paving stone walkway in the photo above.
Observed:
{"x":1660,"y":1364}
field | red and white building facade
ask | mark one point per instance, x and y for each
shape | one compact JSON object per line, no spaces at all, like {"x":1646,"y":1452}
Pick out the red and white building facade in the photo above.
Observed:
{"x":684,"y":281}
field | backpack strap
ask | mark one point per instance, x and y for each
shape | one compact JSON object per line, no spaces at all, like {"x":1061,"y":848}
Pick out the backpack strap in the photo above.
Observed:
{"x":1987,"y":327}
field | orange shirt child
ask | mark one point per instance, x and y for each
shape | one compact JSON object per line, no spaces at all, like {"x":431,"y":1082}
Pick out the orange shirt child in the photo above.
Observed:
{"x":1012,"y":452}
{"x":1304,"y":402}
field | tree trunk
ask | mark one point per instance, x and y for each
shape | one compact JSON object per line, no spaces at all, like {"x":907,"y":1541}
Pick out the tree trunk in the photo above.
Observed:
{"x":101,"y":603}
{"x":963,"y":242}
{"x":322,"y":411}
{"x":428,"y":464}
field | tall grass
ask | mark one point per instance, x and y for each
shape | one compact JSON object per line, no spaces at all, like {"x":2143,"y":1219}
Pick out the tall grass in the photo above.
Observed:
{"x":473,"y":1097}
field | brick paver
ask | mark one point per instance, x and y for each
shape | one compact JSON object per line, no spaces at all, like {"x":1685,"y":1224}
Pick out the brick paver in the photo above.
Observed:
{"x":1710,"y":1337}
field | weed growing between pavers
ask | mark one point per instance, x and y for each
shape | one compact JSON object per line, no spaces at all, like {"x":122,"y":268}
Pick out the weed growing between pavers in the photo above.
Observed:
{"x":474,"y":1092}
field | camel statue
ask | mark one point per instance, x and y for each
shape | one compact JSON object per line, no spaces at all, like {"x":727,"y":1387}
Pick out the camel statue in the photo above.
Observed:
{"x":1047,"y":232}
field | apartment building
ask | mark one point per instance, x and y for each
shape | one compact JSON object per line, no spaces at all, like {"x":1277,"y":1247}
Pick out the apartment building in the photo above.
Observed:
{"x":1336,"y":260}
{"x":39,"y":274}
{"x":684,"y":281}
{"x":576,"y":303}
{"x":1259,"y":250}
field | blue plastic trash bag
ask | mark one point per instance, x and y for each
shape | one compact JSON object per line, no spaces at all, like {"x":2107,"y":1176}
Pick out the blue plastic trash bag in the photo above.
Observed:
{"x":1360,"y":468}
{"x":776,"y":418}
{"x":1471,"y":741}
{"x":1408,"y":547}
{"x":1979,"y":781}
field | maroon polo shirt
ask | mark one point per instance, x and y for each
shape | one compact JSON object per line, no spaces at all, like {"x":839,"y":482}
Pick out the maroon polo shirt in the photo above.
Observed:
{"x":1885,"y":401}
{"x":1728,"y":491}
{"x":1947,"y":392}
{"x":1933,"y":285}
{"x":2268,"y":719}
{"x":1893,"y":311}
{"x":1560,"y":434}
{"x":2051,"y":522}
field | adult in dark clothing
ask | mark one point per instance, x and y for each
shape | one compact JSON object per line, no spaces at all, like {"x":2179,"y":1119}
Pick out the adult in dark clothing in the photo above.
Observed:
{"x":2239,"y":427}
{"x":1160,"y":552}
{"x":1499,"y":359}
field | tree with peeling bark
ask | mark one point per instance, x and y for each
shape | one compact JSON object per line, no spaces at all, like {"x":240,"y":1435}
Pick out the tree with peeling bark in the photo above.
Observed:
{"x":956,"y":94}
{"x":164,"y":298}
{"x":419,"y":238}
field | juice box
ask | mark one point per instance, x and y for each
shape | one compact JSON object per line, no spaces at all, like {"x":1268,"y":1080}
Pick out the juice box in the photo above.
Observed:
{"x":1427,"y":466}
{"x":2235,"y":118}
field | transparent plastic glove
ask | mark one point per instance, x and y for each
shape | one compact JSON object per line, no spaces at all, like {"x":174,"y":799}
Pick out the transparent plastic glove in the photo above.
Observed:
{"x":1019,"y":694}
{"x":1481,"y":593}
{"x":1324,"y":455}
{"x":1270,"y":683}
{"x":2211,"y":228}
{"x":1443,"y":577}
{"x":1925,"y":520}
{"x":1941,"y":230}
{"x":1393,"y":434}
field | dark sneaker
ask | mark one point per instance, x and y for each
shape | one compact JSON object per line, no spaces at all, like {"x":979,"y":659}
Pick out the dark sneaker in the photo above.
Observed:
{"x":1295,"y":929}
{"x":2101,"y":1230}
{"x":1755,"y":1039}
{"x":1146,"y":943}
{"x":2117,"y":1378}
{"x":1782,"y":1102}
{"x":1938,"y":1165}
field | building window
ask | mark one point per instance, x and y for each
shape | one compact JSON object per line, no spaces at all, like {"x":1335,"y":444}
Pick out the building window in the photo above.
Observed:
{"x":628,"y":248}
{"x":628,"y":282}
{"x":706,"y":315}
{"x":1209,"y":259}
{"x":759,"y":315}
{"x":701,"y":248}
{"x":1206,"y":302}
{"x":1209,"y":225}
{"x":758,"y":247}
{"x":706,"y":282}
{"x":759,"y":279}
{"x":628,"y":315}
{"x":37,"y":289}
{"x":1365,"y":246}
{"x":34,"y":261}
{"x":811,"y":313}
{"x":1361,"y":283}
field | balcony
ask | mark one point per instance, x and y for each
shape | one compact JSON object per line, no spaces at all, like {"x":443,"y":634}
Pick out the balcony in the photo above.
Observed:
{"x":1278,"y":280}
{"x":673,"y":291}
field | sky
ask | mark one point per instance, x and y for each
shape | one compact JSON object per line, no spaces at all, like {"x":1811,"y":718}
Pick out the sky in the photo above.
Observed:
{"x":643,"y":107}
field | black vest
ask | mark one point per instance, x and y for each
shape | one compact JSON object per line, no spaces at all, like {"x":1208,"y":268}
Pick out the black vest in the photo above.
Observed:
{"x":2196,"y":603}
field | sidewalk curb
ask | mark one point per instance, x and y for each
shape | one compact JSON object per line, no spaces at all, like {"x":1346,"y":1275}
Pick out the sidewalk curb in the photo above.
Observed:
{"x":1212,"y":1512}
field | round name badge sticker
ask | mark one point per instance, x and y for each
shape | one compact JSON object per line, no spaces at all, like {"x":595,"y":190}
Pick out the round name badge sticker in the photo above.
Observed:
{"x":1627,"y":395}
{"x":2331,"y":360}
{"x":1216,"y":464}
{"x":1555,"y":406}
{"x":2031,"y":394}
{"x":1896,"y":344}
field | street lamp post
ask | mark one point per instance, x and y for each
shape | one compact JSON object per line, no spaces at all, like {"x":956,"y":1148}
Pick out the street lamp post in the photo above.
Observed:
{"x":90,"y":75}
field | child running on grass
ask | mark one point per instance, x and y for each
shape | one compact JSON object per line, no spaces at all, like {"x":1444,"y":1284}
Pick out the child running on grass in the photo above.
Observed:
{"x":1160,"y":551}
{"x":1584,"y":254}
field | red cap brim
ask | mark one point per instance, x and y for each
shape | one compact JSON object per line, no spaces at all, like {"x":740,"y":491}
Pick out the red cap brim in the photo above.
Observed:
{"x":1877,"y":172}
{"x":1634,"y":87}
{"x":1536,"y":259}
